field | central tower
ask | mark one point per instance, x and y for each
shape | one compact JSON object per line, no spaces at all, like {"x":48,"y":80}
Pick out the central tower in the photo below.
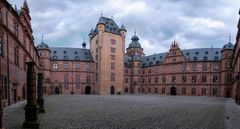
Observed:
{"x":107,"y":45}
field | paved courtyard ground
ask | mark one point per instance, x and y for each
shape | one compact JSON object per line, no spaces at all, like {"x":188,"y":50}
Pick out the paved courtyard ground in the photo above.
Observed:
{"x":130,"y":112}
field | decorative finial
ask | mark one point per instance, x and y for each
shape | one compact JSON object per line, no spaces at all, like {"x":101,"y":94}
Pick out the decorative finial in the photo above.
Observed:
{"x":101,"y":13}
{"x":229,"y":37}
{"x":135,"y":31}
{"x":239,"y":11}
{"x":112,"y":16}
{"x":42,"y":37}
{"x":15,"y":7}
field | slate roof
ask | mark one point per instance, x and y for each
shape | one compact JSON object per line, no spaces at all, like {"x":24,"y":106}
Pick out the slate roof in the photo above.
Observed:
{"x":134,"y":43}
{"x":198,"y":54}
{"x":228,"y":46}
{"x":110,"y":26}
{"x":42,"y":46}
{"x":62,"y":53}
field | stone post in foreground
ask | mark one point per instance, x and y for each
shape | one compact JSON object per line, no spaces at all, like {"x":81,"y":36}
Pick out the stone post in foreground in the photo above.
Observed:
{"x":40,"y":100}
{"x":31,"y":109}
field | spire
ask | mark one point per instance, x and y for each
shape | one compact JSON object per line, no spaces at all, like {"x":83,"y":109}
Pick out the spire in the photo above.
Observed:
{"x":229,"y":37}
{"x":84,"y":43}
{"x":101,"y":13}
{"x":42,"y":37}
{"x":135,"y":31}
{"x":25,"y":6}
{"x":15,"y":7}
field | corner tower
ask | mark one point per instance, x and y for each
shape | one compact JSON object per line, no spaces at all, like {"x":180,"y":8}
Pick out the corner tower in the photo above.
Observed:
{"x":107,"y":45}
{"x":44,"y":64}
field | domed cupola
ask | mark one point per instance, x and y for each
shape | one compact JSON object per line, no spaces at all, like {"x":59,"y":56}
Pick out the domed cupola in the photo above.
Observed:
{"x":134,"y":43}
{"x":229,"y":45}
{"x":42,"y":45}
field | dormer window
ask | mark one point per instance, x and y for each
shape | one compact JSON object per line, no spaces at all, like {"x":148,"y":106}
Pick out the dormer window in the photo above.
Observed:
{"x":196,"y":53}
{"x":205,"y":58}
{"x":77,"y":58}
{"x":55,"y":57}
{"x":206,"y":52}
{"x":75,"y":52}
{"x":64,"y":52}
{"x":65,"y":57}
{"x":187,"y":53}
{"x":153,"y":58}
{"x":55,"y":52}
{"x":216,"y":52}
{"x":215,"y":58}
{"x":195,"y":58}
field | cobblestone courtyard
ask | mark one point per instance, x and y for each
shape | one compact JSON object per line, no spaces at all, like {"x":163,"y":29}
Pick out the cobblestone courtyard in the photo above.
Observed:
{"x":130,"y":112}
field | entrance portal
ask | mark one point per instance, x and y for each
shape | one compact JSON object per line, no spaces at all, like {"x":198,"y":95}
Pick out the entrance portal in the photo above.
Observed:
{"x":173,"y":90}
{"x":57,"y":90}
{"x":112,"y":90}
{"x":88,"y":90}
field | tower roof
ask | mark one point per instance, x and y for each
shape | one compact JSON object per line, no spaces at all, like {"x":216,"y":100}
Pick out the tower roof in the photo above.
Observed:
{"x":134,"y":43}
{"x":110,"y":25}
{"x":228,"y":45}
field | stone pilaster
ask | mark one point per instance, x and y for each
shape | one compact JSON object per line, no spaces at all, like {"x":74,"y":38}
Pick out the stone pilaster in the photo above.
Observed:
{"x":40,"y":100}
{"x":31,"y":109}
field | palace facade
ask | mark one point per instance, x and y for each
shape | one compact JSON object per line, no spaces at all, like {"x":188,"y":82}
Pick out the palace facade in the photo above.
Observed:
{"x":106,"y":68}
{"x":17,"y":47}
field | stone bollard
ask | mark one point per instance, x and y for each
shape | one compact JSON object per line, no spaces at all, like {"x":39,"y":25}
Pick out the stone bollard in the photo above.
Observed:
{"x":31,"y":109}
{"x":40,"y":100}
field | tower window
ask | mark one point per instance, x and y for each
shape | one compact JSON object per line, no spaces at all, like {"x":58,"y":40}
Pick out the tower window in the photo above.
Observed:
{"x":113,"y":41}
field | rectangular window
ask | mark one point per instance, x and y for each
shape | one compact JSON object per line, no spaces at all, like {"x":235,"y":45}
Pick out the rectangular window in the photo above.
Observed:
{"x":214,"y":92}
{"x":173,"y":78}
{"x":183,"y":91}
{"x":163,"y":90}
{"x":163,"y":79}
{"x":88,"y":68}
{"x":204,"y":91}
{"x":77,"y":66}
{"x":149,"y":80}
{"x":65,"y":66}
{"x":112,"y":66}
{"x":204,"y":78}
{"x":156,"y":79}
{"x":215,"y":68}
{"x":113,"y":41}
{"x":1,"y":46}
{"x":113,"y":77}
{"x":24,"y":62}
{"x":194,"y":78}
{"x":143,"y":80}
{"x":77,"y":82}
{"x":194,"y":67}
{"x":113,"y":50}
{"x":15,"y":27}
{"x":193,"y":91}
{"x":113,"y":57}
{"x":96,"y":57}
{"x":16,"y":56}
{"x":149,"y":71}
{"x":184,"y":78}
{"x":184,"y":67}
{"x":5,"y":88}
{"x":88,"y":79}
{"x":156,"y":90}
{"x":126,"y":71}
{"x":126,"y":80}
{"x":66,"y":82}
{"x":215,"y":78}
{"x":204,"y":67}
{"x":55,"y":66}
{"x":1,"y":16}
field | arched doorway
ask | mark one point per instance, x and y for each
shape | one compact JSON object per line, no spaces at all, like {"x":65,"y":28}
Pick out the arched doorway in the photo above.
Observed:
{"x":112,"y":90}
{"x":173,"y":90}
{"x":88,"y":90}
{"x":57,"y":90}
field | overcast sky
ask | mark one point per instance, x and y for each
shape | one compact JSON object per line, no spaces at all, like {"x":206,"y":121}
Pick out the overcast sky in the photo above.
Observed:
{"x":193,"y":23}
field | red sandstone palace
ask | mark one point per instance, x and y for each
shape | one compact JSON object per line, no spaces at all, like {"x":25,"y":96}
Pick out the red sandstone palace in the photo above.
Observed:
{"x":106,"y":68}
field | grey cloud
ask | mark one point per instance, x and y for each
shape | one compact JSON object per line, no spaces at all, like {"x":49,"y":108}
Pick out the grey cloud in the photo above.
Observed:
{"x":66,"y":22}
